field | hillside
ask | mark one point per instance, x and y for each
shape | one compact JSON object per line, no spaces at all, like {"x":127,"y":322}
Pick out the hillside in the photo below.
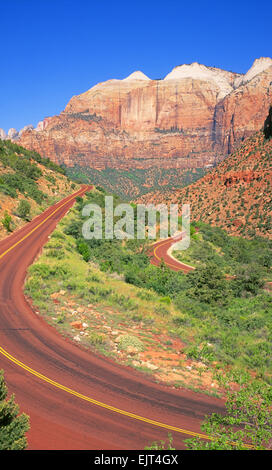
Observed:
{"x":132,"y":183}
{"x":28,"y":184}
{"x":236,"y":195}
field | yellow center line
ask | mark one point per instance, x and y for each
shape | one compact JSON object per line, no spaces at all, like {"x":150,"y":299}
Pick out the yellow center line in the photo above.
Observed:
{"x":73,"y":392}
{"x":168,"y":264}
{"x":96,"y":402}
{"x":39,"y":225}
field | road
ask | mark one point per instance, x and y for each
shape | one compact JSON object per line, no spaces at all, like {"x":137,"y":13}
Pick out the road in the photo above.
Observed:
{"x":161,"y":252}
{"x":75,"y":398}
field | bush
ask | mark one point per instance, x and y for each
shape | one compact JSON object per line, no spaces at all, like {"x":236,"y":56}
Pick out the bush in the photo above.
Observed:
{"x":248,"y":280}
{"x":128,"y":340}
{"x":84,"y":250}
{"x":96,"y":339}
{"x":208,"y":284}
{"x":23,"y":209}
{"x":246,"y":421}
{"x":6,"y":221}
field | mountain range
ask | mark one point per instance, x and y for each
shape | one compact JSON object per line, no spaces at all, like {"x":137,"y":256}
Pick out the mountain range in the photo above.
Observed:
{"x":192,"y":118}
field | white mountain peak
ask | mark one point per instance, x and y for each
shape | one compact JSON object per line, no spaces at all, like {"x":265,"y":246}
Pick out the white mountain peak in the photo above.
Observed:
{"x":137,"y":75}
{"x":196,"y":71}
{"x":259,"y":65}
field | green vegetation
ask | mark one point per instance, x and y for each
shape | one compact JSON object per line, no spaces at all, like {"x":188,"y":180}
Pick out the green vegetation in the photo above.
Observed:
{"x":85,"y":116}
{"x":246,"y":422}
{"x":23,"y":209}
{"x":268,"y":125}
{"x":171,"y":130}
{"x":229,"y":253}
{"x":12,"y":425}
{"x":162,"y":445}
{"x":22,"y":172}
{"x":127,"y":341}
{"x":134,"y":183}
{"x":6,"y":221}
{"x":228,"y":321}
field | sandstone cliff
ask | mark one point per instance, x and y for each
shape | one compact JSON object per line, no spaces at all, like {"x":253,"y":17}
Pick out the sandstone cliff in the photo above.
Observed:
{"x":191,"y":118}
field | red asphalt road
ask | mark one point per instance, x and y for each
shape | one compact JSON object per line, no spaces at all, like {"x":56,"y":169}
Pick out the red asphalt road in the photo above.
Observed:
{"x":60,"y":420}
{"x":159,"y":253}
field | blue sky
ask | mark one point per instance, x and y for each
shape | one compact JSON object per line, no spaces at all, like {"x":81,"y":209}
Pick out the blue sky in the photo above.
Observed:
{"x":54,"y":49}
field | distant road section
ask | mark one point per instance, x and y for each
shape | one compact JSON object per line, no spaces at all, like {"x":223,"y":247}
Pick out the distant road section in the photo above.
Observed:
{"x":161,"y":252}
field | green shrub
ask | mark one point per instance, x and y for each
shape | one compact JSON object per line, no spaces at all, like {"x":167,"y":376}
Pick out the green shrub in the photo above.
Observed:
{"x":6,"y":221}
{"x":208,"y":284}
{"x":129,"y":340}
{"x":96,"y":339}
{"x":248,"y":280}
{"x":13,"y":427}
{"x":23,"y":209}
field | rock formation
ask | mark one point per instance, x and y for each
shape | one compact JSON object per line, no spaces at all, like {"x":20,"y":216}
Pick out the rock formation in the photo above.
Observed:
{"x":3,"y":135}
{"x":192,"y":118}
{"x":12,"y":134}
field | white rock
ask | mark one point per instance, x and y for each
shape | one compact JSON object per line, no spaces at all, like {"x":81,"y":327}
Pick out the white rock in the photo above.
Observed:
{"x":12,"y":133}
{"x":138,"y":75}
{"x":3,"y":135}
{"x":259,"y":65}
{"x":149,"y":365}
{"x":115,"y":333}
{"x":221,"y":78}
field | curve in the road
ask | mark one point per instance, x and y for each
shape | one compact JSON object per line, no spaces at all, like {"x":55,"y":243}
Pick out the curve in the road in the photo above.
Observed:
{"x":45,"y":382}
{"x":161,"y":252}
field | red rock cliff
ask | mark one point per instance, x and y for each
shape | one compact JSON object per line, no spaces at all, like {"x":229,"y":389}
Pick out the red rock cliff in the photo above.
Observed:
{"x":191,"y":118}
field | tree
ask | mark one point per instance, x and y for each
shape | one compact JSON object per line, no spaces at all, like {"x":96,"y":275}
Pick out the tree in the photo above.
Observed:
{"x":12,"y":425}
{"x":268,"y":125}
{"x":23,"y":209}
{"x":208,"y":284}
{"x":248,"y":280}
{"x":6,"y":221}
{"x":246,"y":423}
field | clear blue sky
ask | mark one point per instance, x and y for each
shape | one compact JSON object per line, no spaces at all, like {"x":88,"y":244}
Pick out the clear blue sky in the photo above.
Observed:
{"x":54,"y":49}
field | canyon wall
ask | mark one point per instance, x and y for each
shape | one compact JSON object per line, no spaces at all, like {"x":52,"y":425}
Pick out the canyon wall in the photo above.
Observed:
{"x":192,"y":118}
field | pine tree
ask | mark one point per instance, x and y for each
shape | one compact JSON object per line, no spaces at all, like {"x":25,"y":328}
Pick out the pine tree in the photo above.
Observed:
{"x":12,"y":425}
{"x":268,"y":125}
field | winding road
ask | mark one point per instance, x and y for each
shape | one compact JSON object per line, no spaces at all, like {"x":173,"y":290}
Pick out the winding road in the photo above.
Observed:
{"x":161,"y":252}
{"x":75,"y":398}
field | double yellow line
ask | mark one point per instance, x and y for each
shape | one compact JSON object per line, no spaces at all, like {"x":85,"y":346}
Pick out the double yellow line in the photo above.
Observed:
{"x":95,"y":402}
{"x":73,"y":392}
{"x":40,"y":224}
{"x":169,"y":264}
